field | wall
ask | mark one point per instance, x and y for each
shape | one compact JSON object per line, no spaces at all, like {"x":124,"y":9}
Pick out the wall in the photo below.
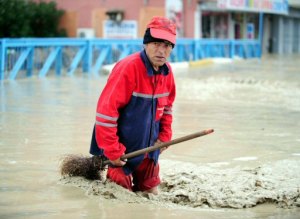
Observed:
{"x":145,"y":14}
{"x":92,"y":13}
{"x":189,"y":10}
{"x":69,"y":23}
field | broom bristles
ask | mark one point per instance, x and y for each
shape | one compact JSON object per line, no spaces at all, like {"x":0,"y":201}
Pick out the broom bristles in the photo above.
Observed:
{"x":79,"y":165}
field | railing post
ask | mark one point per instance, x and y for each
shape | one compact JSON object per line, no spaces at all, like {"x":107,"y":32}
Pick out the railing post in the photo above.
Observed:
{"x":87,"y":62}
{"x":261,"y":32}
{"x":232,"y":48}
{"x":2,"y":58}
{"x":29,"y":62}
{"x":58,"y":62}
{"x":195,"y":50}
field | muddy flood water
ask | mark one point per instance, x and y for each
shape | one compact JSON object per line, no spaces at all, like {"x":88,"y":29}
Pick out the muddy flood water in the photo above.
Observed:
{"x":248,"y":168}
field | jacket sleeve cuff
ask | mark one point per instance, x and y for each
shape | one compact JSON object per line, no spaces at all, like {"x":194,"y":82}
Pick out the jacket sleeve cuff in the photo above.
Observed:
{"x":164,"y":137}
{"x":115,"y":154}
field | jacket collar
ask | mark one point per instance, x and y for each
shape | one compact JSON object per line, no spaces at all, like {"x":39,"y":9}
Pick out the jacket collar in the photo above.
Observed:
{"x":164,"y":69}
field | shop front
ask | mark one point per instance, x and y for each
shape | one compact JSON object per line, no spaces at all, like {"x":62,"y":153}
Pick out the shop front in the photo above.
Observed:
{"x":266,"y":20}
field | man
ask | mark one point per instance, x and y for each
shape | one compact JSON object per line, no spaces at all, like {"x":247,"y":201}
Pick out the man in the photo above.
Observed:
{"x":134,"y":110}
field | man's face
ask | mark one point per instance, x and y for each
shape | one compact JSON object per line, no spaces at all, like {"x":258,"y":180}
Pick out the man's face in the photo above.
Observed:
{"x":158,"y":53}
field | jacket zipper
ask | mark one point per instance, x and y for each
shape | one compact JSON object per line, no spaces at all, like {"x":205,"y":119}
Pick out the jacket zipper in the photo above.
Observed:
{"x":153,"y":110}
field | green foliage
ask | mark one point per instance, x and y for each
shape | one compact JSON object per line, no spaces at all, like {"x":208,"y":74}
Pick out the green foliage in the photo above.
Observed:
{"x":21,"y":18}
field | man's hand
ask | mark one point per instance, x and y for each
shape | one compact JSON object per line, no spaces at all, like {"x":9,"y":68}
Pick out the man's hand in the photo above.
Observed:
{"x":118,"y":162}
{"x":159,"y":142}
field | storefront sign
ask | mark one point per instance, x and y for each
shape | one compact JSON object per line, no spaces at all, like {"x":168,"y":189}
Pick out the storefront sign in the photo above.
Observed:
{"x":125,"y":30}
{"x":266,"y":6}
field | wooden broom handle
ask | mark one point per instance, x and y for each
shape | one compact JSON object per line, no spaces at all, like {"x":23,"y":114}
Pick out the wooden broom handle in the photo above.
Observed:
{"x":164,"y":144}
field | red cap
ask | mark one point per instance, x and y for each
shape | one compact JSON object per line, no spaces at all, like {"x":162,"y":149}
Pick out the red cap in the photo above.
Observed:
{"x":163,"y":28}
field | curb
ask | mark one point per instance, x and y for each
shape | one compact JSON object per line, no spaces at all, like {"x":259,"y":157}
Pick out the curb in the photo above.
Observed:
{"x":202,"y":62}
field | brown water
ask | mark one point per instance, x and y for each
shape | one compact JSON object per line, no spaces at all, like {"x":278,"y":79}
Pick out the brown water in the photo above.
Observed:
{"x":253,"y":106}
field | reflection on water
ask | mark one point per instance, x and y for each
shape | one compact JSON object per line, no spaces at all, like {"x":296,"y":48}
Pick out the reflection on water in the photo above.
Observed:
{"x":254,"y":107}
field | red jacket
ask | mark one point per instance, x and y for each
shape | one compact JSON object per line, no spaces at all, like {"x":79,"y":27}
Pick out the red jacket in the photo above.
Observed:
{"x":135,"y":109}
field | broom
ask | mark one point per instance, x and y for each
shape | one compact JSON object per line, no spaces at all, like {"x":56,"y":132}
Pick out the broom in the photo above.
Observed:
{"x":91,"y":167}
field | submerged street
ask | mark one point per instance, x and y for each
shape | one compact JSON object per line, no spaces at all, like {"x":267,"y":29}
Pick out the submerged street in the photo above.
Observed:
{"x":248,"y":168}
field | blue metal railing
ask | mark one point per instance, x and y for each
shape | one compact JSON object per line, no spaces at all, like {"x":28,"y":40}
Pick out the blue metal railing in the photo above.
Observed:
{"x":43,"y":56}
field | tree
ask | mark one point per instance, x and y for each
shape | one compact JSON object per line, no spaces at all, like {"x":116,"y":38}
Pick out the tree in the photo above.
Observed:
{"x":19,"y":18}
{"x":14,"y":20}
{"x":45,"y":19}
